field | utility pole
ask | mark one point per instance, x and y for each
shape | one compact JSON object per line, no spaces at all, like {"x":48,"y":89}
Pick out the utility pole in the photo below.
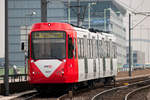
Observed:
{"x":130,"y":45}
{"x":6,"y":79}
{"x":89,"y":14}
{"x":43,"y":10}
{"x":69,"y":11}
{"x":78,"y":13}
{"x":146,"y":14}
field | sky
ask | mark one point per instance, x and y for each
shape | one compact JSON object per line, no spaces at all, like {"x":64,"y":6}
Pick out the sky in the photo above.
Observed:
{"x":134,"y":5}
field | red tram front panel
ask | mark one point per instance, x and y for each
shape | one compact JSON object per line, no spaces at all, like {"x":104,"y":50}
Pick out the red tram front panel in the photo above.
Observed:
{"x":52,"y":54}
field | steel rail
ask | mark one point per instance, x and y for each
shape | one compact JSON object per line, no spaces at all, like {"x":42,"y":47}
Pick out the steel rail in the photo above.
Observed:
{"x":28,"y":98}
{"x":96,"y":97}
{"x":34,"y":95}
{"x":136,"y":90}
{"x":62,"y":97}
{"x":106,"y":91}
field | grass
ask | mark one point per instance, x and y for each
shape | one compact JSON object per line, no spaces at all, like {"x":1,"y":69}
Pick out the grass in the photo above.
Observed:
{"x":21,"y":69}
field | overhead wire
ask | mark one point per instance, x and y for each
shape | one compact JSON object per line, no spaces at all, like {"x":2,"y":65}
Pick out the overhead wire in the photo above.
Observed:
{"x":139,"y":22}
{"x":134,"y":11}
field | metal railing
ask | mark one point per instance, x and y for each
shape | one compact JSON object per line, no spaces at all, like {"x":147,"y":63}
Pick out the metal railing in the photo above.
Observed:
{"x":15,"y":78}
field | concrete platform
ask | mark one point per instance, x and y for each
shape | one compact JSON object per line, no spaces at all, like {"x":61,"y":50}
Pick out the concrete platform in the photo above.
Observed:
{"x":138,"y":76}
{"x":13,"y":96}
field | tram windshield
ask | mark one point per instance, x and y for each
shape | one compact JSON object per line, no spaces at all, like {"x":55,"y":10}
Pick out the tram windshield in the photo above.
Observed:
{"x":48,"y":45}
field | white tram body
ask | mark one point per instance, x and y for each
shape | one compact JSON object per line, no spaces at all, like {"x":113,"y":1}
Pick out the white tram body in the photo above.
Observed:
{"x":96,"y":55}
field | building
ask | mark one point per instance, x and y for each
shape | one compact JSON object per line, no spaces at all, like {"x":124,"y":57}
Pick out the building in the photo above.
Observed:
{"x":140,"y":41}
{"x":138,"y":57}
{"x":2,"y":60}
{"x":105,"y":15}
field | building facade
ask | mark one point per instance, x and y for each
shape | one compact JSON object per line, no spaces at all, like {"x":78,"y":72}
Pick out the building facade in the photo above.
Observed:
{"x":104,"y":15}
{"x":140,"y":41}
{"x":138,"y":57}
{"x":20,"y":13}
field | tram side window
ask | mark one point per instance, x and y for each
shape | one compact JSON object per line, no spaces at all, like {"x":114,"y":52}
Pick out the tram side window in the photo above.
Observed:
{"x":94,"y":47}
{"x":89,"y":47}
{"x":85,"y":46}
{"x":96,"y":52}
{"x":70,"y":48}
{"x":88,"y":51}
{"x":82,"y":48}
{"x":103,"y":48}
{"x":97,"y":48}
{"x":108,"y":48}
{"x":100,"y":49}
{"x":78,"y":47}
{"x":111,"y":49}
{"x":115,"y":51}
{"x":75,"y":47}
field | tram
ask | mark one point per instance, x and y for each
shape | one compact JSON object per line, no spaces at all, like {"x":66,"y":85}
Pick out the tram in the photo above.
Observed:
{"x":60,"y":53}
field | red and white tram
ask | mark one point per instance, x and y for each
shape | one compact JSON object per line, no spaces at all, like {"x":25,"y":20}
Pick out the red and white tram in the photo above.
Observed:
{"x":60,"y":53}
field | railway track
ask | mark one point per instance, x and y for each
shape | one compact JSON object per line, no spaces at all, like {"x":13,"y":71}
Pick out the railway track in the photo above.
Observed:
{"x":40,"y":96}
{"x":84,"y":93}
{"x":30,"y":97}
{"x":123,"y":92}
{"x":89,"y":94}
{"x":141,"y":93}
{"x":27,"y":95}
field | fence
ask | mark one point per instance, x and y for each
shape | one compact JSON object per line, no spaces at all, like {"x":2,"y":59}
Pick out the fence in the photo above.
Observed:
{"x":15,"y":78}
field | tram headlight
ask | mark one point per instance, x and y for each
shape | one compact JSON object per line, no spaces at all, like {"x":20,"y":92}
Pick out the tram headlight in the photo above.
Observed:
{"x":62,"y":72}
{"x":34,"y":73}
{"x":49,"y":24}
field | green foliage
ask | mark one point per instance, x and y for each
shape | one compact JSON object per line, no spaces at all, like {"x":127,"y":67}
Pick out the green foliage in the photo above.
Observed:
{"x":21,"y":69}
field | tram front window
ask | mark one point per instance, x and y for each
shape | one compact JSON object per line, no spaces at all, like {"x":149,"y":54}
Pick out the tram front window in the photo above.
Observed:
{"x":48,"y":45}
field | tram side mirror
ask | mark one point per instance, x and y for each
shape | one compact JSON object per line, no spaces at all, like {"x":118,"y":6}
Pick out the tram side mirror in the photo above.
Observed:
{"x":22,"y":46}
{"x":28,"y":55}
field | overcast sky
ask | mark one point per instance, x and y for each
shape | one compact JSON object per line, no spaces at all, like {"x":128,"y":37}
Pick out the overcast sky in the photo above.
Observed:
{"x":134,"y":5}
